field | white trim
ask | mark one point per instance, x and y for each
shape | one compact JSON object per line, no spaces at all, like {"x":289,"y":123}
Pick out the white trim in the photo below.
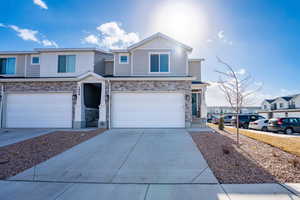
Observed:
{"x":131,"y":66}
{"x":31,"y":56}
{"x":114,"y":70}
{"x":123,"y":54}
{"x":187,"y":65}
{"x":157,"y":78}
{"x":149,"y":63}
{"x":16,"y":63}
{"x":25,"y":68}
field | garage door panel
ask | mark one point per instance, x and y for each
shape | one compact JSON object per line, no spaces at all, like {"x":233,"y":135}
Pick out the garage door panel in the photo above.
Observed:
{"x":148,"y":110}
{"x":39,"y":110}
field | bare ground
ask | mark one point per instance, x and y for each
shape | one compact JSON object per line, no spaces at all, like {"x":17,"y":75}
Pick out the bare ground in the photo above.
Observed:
{"x":253,"y":162}
{"x":20,"y":156}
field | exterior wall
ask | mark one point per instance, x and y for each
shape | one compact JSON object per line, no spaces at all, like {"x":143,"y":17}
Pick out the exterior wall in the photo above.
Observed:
{"x":122,"y":69}
{"x":279,"y":101}
{"x":31,"y":70}
{"x":99,"y":62}
{"x":139,"y":59}
{"x":159,"y":86}
{"x":49,"y":63}
{"x":36,"y":87}
{"x":267,"y":105}
{"x":20,"y":65}
{"x":297,"y":101}
{"x":195,"y":69}
{"x":109,"y":68}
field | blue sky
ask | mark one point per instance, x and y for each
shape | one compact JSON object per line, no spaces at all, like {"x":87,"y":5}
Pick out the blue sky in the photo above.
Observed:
{"x":256,"y":37}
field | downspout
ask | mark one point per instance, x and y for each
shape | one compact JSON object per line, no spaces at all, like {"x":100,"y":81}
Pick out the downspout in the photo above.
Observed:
{"x":1,"y":105}
{"x":109,"y":104}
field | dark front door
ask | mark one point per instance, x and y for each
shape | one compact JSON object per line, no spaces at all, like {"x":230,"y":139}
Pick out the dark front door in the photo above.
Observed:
{"x":194,"y":104}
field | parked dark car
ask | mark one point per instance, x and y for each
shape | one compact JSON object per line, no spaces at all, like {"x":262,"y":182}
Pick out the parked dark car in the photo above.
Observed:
{"x":245,"y":119}
{"x":288,"y":125}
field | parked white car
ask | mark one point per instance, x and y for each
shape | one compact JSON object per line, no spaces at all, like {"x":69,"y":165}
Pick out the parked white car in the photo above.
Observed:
{"x":261,"y":124}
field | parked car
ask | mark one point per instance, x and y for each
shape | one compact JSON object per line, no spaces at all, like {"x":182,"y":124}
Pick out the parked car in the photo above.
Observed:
{"x":227,"y":119}
{"x":288,"y":125}
{"x":215,"y":120}
{"x":261,"y":124}
{"x":245,"y":119}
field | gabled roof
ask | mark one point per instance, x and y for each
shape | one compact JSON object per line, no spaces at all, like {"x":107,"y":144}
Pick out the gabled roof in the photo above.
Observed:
{"x":68,"y":49}
{"x":152,"y":37}
{"x":287,"y":98}
{"x":270,"y":100}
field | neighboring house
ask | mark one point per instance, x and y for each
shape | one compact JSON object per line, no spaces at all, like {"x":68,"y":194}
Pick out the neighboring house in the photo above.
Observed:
{"x":150,"y":84}
{"x":286,"y":106}
{"x":219,"y":110}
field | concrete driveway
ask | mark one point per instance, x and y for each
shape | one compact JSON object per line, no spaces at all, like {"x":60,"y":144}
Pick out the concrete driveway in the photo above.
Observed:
{"x":11,"y":136}
{"x":133,"y":164}
{"x":128,"y":156}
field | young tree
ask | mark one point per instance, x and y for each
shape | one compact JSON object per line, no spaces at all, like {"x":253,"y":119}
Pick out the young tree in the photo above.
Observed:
{"x":237,"y":88}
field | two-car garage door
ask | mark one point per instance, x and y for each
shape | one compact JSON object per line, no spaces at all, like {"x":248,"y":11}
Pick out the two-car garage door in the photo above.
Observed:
{"x":148,"y":110}
{"x":39,"y":110}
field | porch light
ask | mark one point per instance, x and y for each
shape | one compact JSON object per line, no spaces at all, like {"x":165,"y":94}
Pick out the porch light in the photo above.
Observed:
{"x":74,"y":97}
{"x":106,"y":97}
{"x":187,"y":97}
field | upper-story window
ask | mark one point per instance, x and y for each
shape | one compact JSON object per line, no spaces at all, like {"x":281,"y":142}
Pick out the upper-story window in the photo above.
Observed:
{"x":159,"y":62}
{"x":66,"y":63}
{"x":7,"y":65}
{"x":123,"y":59}
{"x":280,"y":105}
{"x":35,"y":60}
{"x":265,"y":107}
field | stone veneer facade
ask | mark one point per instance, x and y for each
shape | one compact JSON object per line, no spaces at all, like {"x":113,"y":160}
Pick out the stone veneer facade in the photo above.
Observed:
{"x":40,"y":86}
{"x":159,"y":86}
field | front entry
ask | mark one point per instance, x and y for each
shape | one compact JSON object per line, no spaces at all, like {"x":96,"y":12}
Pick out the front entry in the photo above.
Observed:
{"x":194,"y":104}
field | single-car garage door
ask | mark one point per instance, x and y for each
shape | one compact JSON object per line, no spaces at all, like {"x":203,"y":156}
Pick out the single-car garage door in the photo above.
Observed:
{"x":148,"y":110}
{"x":39,"y":110}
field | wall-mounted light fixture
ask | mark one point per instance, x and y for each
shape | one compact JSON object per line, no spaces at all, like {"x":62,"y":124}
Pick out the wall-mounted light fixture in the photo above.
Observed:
{"x":187,"y":97}
{"x":107,"y":98}
{"x":74,"y":97}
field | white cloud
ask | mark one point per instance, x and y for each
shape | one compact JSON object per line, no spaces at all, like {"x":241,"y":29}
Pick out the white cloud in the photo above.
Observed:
{"x":209,"y":40}
{"x":47,"y":43}
{"x":221,"y":34}
{"x":25,"y":34}
{"x":91,"y":39}
{"x":30,"y":35}
{"x":112,"y":36}
{"x":41,"y":3}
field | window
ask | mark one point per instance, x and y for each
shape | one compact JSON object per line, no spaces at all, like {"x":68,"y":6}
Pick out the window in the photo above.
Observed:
{"x":123,"y":59}
{"x":35,"y":60}
{"x":159,"y":62}
{"x":7,"y":65}
{"x":281,"y":105}
{"x":66,"y":63}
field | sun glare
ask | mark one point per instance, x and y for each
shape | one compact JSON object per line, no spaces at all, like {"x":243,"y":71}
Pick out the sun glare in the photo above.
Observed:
{"x":182,"y":20}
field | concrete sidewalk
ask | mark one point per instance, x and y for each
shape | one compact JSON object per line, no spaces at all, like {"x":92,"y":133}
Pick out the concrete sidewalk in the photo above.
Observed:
{"x":19,"y":190}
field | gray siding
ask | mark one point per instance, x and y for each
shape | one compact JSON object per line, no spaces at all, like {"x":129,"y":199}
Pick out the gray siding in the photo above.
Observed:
{"x":109,"y":65}
{"x":32,"y":70}
{"x":122,"y":69}
{"x":195,"y":69}
{"x":140,"y":61}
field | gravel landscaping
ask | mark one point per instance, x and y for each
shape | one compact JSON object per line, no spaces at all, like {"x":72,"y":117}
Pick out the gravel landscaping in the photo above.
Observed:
{"x":20,"y":156}
{"x":253,"y":162}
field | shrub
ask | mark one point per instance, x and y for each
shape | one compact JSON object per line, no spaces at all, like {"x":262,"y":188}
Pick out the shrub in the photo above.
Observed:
{"x":221,"y":123}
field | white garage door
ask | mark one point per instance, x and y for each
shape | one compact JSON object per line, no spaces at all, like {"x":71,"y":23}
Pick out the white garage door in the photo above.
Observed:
{"x":146,"y":110}
{"x":43,"y":110}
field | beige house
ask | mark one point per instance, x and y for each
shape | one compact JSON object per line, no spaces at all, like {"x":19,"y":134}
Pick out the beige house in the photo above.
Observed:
{"x":153,"y":83}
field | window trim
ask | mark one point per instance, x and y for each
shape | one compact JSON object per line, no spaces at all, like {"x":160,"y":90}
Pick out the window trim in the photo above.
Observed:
{"x":66,"y":54}
{"x":31,"y":57}
{"x":159,"y":72}
{"x":16,"y":63}
{"x":123,"y":54}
